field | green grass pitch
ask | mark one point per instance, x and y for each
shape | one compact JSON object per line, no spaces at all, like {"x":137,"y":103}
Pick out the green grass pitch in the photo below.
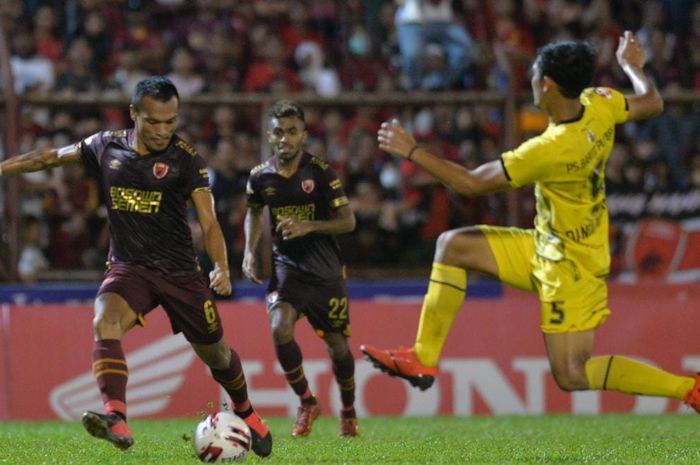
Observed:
{"x":552,"y":439}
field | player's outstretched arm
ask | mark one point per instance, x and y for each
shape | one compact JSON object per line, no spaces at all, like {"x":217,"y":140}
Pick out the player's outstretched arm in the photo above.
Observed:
{"x":38,"y":160}
{"x":252,"y":227}
{"x":219,"y":277}
{"x":485,"y":179}
{"x":646,"y":101}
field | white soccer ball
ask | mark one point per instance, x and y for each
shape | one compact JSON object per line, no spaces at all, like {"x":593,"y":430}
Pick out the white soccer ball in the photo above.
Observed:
{"x":222,"y":437}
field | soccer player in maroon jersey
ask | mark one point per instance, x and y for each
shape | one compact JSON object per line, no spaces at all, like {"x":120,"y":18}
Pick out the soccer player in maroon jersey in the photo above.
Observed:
{"x":148,"y":174}
{"x":308,"y":208}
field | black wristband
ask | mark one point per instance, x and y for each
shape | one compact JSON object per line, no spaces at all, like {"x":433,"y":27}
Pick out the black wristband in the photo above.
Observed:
{"x":410,"y":152}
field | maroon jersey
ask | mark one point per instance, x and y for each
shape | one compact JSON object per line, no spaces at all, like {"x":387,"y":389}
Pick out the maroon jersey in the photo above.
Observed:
{"x":312,"y":193}
{"x":146,"y":198}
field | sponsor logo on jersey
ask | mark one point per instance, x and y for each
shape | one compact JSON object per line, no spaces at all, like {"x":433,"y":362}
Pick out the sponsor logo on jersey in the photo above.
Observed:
{"x":115,"y":164}
{"x":135,"y":200}
{"x":186,"y":147}
{"x":270,"y":191}
{"x":159,"y":367}
{"x":299,"y":212}
{"x":160,"y":169}
{"x":307,"y":185}
{"x":590,"y":135}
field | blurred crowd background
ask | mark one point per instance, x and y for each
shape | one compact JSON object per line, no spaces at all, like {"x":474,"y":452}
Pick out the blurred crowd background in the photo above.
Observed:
{"x":330,"y":48}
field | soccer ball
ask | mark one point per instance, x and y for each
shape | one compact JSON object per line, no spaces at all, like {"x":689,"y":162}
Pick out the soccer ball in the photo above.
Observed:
{"x":222,"y":437}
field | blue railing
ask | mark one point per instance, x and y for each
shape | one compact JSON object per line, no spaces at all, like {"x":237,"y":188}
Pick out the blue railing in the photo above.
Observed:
{"x":61,"y":292}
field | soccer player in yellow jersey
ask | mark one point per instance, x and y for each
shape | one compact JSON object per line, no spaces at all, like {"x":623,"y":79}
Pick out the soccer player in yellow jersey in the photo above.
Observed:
{"x":565,"y":257}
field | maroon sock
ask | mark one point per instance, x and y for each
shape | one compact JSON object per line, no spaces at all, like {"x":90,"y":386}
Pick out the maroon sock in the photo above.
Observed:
{"x":289,"y":356}
{"x":232,"y":380}
{"x":111,"y":374}
{"x":344,"y":371}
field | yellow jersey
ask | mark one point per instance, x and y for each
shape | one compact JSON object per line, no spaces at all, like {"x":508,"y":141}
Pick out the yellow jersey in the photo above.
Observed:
{"x":567,"y":164}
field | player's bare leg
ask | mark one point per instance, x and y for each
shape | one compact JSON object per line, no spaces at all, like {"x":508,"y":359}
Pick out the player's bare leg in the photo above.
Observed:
{"x":574,"y":369}
{"x":113,"y":318}
{"x":456,"y":252}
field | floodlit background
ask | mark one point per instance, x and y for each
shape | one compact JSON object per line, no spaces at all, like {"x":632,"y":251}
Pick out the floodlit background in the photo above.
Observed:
{"x":352,"y":64}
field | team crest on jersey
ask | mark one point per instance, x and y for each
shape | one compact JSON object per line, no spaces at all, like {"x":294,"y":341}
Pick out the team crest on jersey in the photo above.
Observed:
{"x":603,"y":92}
{"x":160,"y":169}
{"x":115,"y":164}
{"x":307,"y":185}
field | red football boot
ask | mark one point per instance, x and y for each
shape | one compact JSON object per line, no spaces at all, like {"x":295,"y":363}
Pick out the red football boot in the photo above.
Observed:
{"x":348,"y":427}
{"x":403,"y":363}
{"x":109,"y":427}
{"x":306,"y":414}
{"x":260,"y":434}
{"x":692,"y":397}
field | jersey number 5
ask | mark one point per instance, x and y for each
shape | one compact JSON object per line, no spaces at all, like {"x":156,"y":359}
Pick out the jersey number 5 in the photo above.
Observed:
{"x":557,"y":315}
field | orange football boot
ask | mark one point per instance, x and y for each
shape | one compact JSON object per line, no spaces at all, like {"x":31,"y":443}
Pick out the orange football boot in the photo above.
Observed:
{"x":403,"y":363}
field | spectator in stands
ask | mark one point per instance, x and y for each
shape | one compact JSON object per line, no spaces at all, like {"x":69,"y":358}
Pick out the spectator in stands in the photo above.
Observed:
{"x":11,"y":13}
{"x":31,"y":72}
{"x":375,"y":241}
{"x":32,"y":261}
{"x":298,"y":28}
{"x":336,"y":152}
{"x":224,"y":123}
{"x":71,"y":208}
{"x":513,"y":46}
{"x":37,"y":185}
{"x":184,"y":74}
{"x":78,"y":76}
{"x":421,"y":22}
{"x":614,"y":169}
{"x":128,"y":72}
{"x":666,"y":138}
{"x":95,"y":32}
{"x":361,"y":69}
{"x":315,"y":75}
{"x":148,"y":39}
{"x":225,"y":60}
{"x":228,"y":188}
{"x":48,"y":44}
{"x":270,"y":66}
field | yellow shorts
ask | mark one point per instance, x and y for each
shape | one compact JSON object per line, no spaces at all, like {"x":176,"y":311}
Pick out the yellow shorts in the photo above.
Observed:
{"x":571,"y":297}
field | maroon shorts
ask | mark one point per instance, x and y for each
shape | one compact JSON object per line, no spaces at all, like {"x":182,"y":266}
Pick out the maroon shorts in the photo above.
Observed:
{"x":186,"y":298}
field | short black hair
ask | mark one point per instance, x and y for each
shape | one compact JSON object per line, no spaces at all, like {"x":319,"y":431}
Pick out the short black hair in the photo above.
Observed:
{"x":570,"y":64}
{"x":157,"y":87}
{"x":287,"y":109}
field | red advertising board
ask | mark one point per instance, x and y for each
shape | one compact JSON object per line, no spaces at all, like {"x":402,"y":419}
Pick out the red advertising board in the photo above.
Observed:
{"x":493,"y":362}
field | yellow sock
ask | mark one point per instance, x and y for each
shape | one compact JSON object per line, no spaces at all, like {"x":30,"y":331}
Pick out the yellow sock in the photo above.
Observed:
{"x":443,"y":300}
{"x":616,"y":373}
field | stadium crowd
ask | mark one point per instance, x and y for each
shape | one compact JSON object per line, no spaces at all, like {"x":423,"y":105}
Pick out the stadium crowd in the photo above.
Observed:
{"x":327,"y":47}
